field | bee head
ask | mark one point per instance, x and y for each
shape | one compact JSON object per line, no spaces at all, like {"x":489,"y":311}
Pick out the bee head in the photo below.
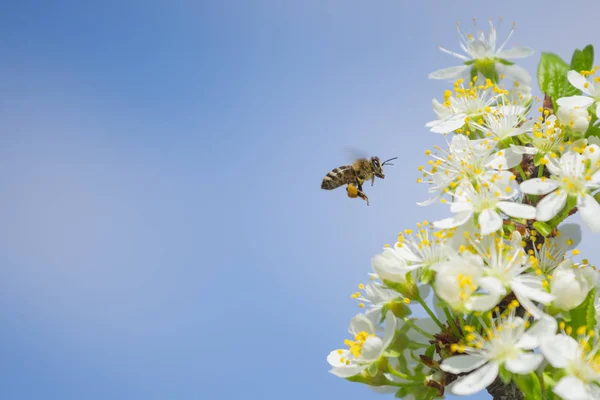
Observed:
{"x":378,"y":166}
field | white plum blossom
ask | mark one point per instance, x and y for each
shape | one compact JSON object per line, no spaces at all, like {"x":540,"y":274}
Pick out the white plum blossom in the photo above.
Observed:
{"x":365,"y":348}
{"x":573,"y":112}
{"x":390,"y":265}
{"x":375,"y":297}
{"x":469,"y":161}
{"x":570,"y":284}
{"x":425,"y":248}
{"x":482,"y":48}
{"x":579,"y":361}
{"x":457,"y":281}
{"x":546,"y":138}
{"x":505,"y":271}
{"x":552,"y":252}
{"x":508,"y":343}
{"x":573,"y":175}
{"x":504,"y":122}
{"x":467,"y":103}
{"x":483,"y":205}
{"x":591,"y":87}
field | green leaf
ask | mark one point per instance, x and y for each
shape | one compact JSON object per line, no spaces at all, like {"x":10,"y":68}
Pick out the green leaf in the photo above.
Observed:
{"x":551,"y":74}
{"x":529,"y":385}
{"x":593,"y":131}
{"x":591,"y":311}
{"x":580,"y":315}
{"x":582,"y":60}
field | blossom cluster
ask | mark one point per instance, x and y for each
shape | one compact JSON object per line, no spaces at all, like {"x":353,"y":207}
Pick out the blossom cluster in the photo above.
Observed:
{"x":508,"y":298}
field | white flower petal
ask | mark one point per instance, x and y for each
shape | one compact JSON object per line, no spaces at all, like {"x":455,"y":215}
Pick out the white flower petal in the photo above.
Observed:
{"x":559,"y":350}
{"x":516,"y":52}
{"x":531,"y":292}
{"x":477,"y":380}
{"x":578,"y":81}
{"x":528,"y":305}
{"x":575,"y":101}
{"x":461,"y":206}
{"x":524,"y":363}
{"x":517,"y":210}
{"x":360,"y":323}
{"x":490,"y":221}
{"x":454,"y":221}
{"x":514,"y":71}
{"x":505,"y":159}
{"x":462,"y":363}
{"x":448,"y":73}
{"x":590,"y":212}
{"x":335,"y":357}
{"x":492,"y":285}
{"x":448,"y":124}
{"x":482,"y":302}
{"x":571,"y":388}
{"x":550,"y":205}
{"x":346,"y":371}
{"x":541,"y":329}
{"x":538,"y":186}
{"x":524,"y":150}
{"x":390,"y":329}
{"x":371,"y":349}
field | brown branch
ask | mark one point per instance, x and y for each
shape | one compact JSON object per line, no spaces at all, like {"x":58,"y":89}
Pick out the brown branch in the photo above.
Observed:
{"x":499,"y":391}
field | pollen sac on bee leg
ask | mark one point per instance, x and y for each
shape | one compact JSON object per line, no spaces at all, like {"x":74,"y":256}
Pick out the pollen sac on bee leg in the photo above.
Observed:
{"x":352,"y":191}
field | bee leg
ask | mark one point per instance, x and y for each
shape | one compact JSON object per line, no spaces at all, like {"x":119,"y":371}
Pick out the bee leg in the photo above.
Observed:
{"x":363,"y":196}
{"x":354,"y":192}
{"x":373,"y":180}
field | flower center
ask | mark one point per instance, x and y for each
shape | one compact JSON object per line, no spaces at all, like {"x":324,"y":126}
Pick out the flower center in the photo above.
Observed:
{"x":356,"y":345}
{"x":465,"y":286}
{"x":573,"y":185}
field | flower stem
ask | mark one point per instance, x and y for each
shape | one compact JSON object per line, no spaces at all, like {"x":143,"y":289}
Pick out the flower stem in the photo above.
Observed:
{"x":521,"y":172}
{"x":564,"y":213}
{"x":404,"y":376}
{"x":451,"y":322}
{"x":416,"y":328}
{"x":428,"y":310}
{"x":541,"y":170}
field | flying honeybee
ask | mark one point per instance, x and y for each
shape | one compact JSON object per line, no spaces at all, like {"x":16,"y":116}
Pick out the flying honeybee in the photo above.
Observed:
{"x":354,"y":175}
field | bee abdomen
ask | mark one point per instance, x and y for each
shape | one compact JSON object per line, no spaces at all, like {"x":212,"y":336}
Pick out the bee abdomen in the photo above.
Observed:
{"x":338,"y":177}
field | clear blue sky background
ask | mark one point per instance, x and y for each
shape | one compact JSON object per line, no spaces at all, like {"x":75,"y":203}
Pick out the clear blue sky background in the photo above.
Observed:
{"x":163,"y":234}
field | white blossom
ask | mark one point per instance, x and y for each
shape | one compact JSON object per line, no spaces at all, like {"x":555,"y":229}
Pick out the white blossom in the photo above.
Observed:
{"x":572,"y":112}
{"x":507,"y":343}
{"x":483,"y":47}
{"x":365,"y":348}
{"x":574,"y":175}
{"x":580,"y":363}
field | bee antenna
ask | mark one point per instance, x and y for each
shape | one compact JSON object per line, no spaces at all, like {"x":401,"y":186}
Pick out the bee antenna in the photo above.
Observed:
{"x":386,"y":161}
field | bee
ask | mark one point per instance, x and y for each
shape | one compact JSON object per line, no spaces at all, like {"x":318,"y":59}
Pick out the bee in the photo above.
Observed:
{"x":361,"y":170}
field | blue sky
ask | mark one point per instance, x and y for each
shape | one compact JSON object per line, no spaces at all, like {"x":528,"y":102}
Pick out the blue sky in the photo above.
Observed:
{"x":163,"y":232}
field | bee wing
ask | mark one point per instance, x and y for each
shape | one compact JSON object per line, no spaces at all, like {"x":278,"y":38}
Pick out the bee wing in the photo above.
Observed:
{"x":354,"y":153}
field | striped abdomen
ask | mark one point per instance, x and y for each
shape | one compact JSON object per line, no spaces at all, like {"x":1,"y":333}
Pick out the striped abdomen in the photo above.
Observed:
{"x":338,"y":177}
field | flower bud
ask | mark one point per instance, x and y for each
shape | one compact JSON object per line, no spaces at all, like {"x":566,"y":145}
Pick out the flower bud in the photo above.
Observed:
{"x":570,"y":285}
{"x":573,"y":112}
